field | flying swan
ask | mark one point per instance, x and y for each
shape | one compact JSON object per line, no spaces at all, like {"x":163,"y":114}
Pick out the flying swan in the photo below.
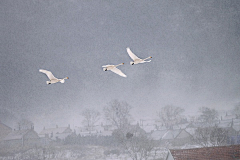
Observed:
{"x":114,"y":69}
{"x":51,"y":77}
{"x":135,"y":59}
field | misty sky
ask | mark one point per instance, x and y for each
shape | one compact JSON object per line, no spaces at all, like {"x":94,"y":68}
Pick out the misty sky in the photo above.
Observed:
{"x":195,"y":45}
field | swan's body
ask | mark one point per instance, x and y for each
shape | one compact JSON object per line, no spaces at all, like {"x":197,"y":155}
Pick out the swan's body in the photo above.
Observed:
{"x":114,"y":69}
{"x":51,"y":77}
{"x":135,"y":59}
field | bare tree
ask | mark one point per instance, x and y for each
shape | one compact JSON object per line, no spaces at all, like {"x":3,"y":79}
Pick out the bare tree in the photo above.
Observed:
{"x":202,"y":136}
{"x":118,"y":113}
{"x":135,"y":142}
{"x":139,"y":148}
{"x":91,"y":116}
{"x":170,"y":115}
{"x":211,"y":136}
{"x":218,"y":136}
{"x":208,"y":116}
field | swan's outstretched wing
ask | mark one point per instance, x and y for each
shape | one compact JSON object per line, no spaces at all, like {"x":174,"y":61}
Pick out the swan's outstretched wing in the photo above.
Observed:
{"x":107,"y":65}
{"x":118,"y":71}
{"x":48,"y":73}
{"x":131,"y":54}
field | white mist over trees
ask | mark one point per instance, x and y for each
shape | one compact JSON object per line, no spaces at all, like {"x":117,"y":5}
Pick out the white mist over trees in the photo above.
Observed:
{"x":24,"y":124}
{"x":211,"y":136}
{"x":117,"y":113}
{"x":208,"y":115}
{"x":91,"y":117}
{"x":131,"y":138}
{"x":170,"y":115}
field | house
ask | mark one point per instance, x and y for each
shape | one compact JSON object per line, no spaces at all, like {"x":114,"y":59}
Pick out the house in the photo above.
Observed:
{"x":191,"y":130}
{"x":157,"y":135}
{"x":130,"y":131}
{"x":89,"y":130}
{"x":98,"y":130}
{"x":174,"y":136}
{"x":56,"y":133}
{"x":136,"y":130}
{"x":212,"y":153}
{"x":228,"y":116}
{"x":4,"y":131}
{"x":228,"y":125}
{"x":148,"y":128}
{"x":182,"y":138}
{"x":27,"y":137}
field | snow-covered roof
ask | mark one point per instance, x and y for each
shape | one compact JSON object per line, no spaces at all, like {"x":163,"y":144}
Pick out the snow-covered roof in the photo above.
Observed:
{"x":157,"y":135}
{"x":224,"y":124}
{"x":171,"y":134}
{"x":162,"y":127}
{"x":236,"y":120}
{"x":191,"y":130}
{"x":18,"y":134}
{"x":4,"y":130}
{"x":148,"y":128}
{"x":80,"y":130}
{"x":89,"y":133}
{"x":57,"y":130}
{"x":106,"y":133}
{"x":201,"y":124}
{"x":3,"y":126}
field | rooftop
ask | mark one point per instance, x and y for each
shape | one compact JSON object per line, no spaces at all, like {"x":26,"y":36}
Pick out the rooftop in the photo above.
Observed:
{"x":213,"y":153}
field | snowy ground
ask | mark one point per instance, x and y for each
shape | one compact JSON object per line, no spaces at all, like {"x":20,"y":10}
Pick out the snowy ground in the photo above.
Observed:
{"x":75,"y":153}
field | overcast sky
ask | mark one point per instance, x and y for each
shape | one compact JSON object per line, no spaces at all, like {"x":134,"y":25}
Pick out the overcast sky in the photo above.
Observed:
{"x":195,"y":47}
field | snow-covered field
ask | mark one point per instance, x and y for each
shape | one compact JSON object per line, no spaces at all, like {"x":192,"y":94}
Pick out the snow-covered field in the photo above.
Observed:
{"x":76,"y":153}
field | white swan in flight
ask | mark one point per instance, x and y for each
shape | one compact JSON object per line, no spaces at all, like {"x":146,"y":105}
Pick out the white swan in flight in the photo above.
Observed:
{"x":114,"y":69}
{"x":135,"y":59}
{"x":51,"y":77}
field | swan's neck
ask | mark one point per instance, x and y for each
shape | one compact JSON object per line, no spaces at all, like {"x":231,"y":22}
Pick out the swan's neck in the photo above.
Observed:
{"x":119,"y":64}
{"x":147,"y":58}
